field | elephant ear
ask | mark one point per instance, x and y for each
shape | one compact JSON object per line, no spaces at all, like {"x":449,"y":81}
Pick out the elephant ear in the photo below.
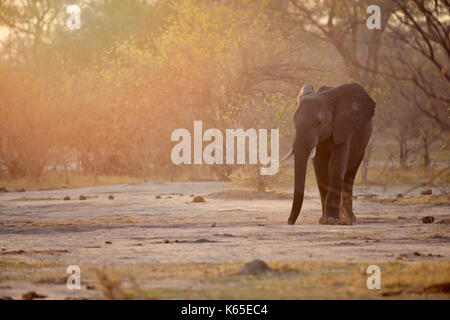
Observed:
{"x":352,"y":108}
{"x":305,"y":90}
{"x":323,"y":88}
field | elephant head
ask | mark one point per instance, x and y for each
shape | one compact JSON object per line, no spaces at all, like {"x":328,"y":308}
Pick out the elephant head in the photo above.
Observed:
{"x":331,"y":112}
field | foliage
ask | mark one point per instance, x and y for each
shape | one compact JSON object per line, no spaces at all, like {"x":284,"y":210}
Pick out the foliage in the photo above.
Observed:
{"x":104,"y":99}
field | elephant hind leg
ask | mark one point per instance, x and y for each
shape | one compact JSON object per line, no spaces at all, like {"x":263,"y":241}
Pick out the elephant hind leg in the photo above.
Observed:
{"x":346,"y":214}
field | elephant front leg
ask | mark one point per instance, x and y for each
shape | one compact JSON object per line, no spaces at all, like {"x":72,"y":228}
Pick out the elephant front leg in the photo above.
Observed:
{"x":332,"y":204}
{"x":346,"y":214}
{"x":338,"y":167}
{"x":321,"y":161}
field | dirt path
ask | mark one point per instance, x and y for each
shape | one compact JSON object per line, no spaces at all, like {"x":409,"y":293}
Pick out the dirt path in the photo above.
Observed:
{"x":135,"y":228}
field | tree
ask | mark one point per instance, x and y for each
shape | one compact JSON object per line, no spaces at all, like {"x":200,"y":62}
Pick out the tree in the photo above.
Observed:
{"x":29,"y":23}
{"x":417,"y":52}
{"x":343,"y":24}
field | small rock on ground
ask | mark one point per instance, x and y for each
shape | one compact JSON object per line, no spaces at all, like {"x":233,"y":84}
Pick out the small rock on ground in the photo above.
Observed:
{"x":198,"y":199}
{"x":427,"y":219}
{"x":256,"y":267}
{"x":32,"y":295}
{"x":438,"y":288}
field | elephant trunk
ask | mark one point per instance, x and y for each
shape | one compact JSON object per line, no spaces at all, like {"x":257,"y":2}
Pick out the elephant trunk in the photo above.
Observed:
{"x":301,"y":161}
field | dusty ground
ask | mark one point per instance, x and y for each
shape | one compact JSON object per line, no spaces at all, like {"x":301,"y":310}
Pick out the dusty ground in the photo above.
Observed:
{"x":138,"y":246}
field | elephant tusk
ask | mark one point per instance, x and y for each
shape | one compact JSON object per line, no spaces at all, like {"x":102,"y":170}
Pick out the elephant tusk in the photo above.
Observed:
{"x":288,"y":155}
{"x":313,"y":152}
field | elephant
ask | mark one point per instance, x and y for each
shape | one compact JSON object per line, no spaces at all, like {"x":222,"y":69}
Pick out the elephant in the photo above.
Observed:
{"x":332,"y":126}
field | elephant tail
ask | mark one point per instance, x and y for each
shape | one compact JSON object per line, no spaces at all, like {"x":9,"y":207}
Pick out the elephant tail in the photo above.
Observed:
{"x":288,"y":155}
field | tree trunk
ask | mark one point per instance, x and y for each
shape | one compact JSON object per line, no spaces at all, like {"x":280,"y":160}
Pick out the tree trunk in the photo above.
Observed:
{"x":426,"y":153}
{"x":95,"y":172}
{"x":403,"y":143}
{"x":66,"y":174}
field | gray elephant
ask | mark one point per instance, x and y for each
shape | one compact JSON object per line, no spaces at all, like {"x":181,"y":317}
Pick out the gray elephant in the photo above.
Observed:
{"x":333,"y":126}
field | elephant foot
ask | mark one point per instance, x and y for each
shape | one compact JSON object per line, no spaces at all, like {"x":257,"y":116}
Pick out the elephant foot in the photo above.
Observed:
{"x":334,"y":221}
{"x":323,"y":220}
{"x":346,"y":217}
{"x":328,"y":220}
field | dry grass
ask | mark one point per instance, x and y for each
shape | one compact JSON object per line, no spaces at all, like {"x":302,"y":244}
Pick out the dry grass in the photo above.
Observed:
{"x":293,"y":280}
{"x":55,"y":180}
{"x":399,"y":177}
{"x":302,"y":280}
{"x":26,"y":268}
{"x":442,"y":199}
{"x":376,"y":176}
{"x":402,"y":177}
{"x":116,"y":219}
